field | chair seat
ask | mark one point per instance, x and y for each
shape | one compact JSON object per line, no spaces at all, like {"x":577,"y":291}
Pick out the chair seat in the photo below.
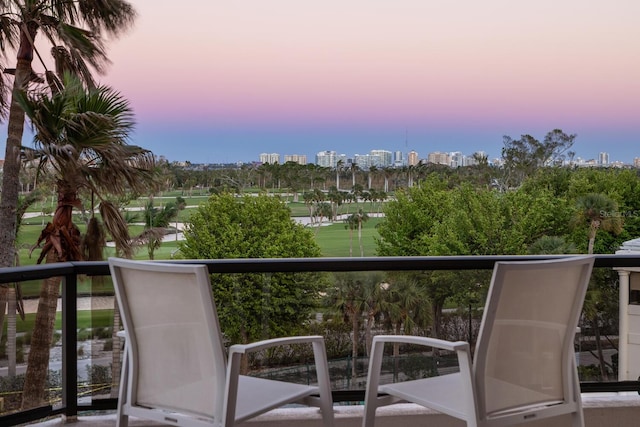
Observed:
{"x":259,"y":395}
{"x":441,"y":393}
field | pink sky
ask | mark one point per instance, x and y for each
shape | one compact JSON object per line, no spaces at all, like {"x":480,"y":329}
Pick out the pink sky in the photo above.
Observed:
{"x":204,"y":71}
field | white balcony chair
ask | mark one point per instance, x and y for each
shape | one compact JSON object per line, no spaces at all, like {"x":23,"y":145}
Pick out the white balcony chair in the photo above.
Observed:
{"x":175,"y":369}
{"x":524,"y":367}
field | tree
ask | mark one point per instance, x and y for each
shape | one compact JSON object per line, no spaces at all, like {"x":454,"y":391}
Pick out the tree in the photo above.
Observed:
{"x":76,"y":30}
{"x":359,"y":218}
{"x":11,"y":296}
{"x":347,"y":297}
{"x":350,"y":225}
{"x":599,"y":212}
{"x":404,"y":307}
{"x":552,"y":245}
{"x":254,"y":306}
{"x":81,"y":139}
{"x":373,"y":287}
{"x":156,"y":222}
{"x":523,"y":156}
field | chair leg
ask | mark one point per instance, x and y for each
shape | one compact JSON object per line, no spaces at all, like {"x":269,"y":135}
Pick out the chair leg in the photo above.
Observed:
{"x":324,"y":383}
{"x":577,"y":418}
{"x":122,"y":419}
{"x":369,"y":418}
{"x":373,"y":379}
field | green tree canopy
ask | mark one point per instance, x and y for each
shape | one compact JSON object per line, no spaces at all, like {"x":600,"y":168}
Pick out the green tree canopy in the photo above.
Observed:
{"x":254,"y":306}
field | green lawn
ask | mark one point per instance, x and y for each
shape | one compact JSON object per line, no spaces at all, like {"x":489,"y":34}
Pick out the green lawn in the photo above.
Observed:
{"x":334,"y":241}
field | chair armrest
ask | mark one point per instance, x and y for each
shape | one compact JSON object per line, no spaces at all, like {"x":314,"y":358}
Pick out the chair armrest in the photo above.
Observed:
{"x":261,"y":345}
{"x":425,"y":341}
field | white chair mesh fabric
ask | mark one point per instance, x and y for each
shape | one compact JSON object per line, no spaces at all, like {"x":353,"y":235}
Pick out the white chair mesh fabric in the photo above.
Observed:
{"x":524,"y":363}
{"x":182,"y":379}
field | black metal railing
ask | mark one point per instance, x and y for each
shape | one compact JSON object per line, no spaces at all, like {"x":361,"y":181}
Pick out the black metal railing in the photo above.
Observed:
{"x":71,"y":270}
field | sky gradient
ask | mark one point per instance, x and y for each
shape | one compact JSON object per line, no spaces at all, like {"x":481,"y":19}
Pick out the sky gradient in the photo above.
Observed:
{"x":221,"y":81}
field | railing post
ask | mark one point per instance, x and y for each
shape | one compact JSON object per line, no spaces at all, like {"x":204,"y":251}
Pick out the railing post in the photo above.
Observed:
{"x":69,"y":344}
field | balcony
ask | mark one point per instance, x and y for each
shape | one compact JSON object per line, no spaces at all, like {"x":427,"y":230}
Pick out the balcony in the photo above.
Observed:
{"x":80,"y":397}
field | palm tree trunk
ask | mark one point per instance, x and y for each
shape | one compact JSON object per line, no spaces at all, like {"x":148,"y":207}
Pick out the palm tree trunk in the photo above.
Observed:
{"x":34,"y":393}
{"x":596,"y":331}
{"x":593,"y":230}
{"x":11,"y":168}
{"x":4,"y":293}
{"x":354,"y":346}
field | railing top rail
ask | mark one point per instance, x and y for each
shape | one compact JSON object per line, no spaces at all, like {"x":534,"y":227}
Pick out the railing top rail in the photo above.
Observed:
{"x":275,"y":265}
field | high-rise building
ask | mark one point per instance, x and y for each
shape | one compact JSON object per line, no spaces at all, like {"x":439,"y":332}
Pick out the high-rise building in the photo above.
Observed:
{"x":636,"y":162}
{"x":412,"y":158}
{"x":398,"y":159}
{"x":362,"y":160}
{"x":603,"y":159}
{"x":300,"y":159}
{"x":327,"y":159}
{"x":381,"y":158}
{"x":271,"y":158}
{"x":456,"y":159}
{"x":439,"y":158}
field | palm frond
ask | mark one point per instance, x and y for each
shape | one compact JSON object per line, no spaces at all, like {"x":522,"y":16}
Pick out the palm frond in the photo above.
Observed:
{"x":93,"y":241}
{"x":117,"y":227}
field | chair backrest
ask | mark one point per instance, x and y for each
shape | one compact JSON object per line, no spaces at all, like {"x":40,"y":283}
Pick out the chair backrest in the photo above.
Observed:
{"x":524,"y":354}
{"x":174,"y":345}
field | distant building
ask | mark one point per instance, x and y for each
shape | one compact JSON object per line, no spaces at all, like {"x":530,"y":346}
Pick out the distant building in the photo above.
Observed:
{"x":456,"y":159}
{"x":326,"y":159}
{"x":412,"y":158}
{"x":398,"y":159}
{"x":439,"y":158}
{"x":603,"y":159}
{"x":300,"y":159}
{"x":636,"y":162}
{"x":381,"y":158}
{"x":271,"y":158}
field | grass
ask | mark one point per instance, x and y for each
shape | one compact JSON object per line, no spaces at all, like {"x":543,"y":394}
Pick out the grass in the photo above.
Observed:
{"x":334,"y":240}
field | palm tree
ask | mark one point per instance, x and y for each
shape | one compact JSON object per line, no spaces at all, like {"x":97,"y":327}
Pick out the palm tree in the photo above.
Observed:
{"x":347,"y":298}
{"x":359,"y":218}
{"x":404,"y":307}
{"x":599,"y":212}
{"x":339,"y":166}
{"x":81,"y":139}
{"x":372,"y":286}
{"x":10,"y":296}
{"x":350,"y":225}
{"x":156,"y":222}
{"x":77,"y":30}
{"x":551,"y":245}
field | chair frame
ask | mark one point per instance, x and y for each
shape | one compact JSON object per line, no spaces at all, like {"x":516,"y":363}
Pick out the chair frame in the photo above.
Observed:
{"x":471,"y":407}
{"x":228,"y":387}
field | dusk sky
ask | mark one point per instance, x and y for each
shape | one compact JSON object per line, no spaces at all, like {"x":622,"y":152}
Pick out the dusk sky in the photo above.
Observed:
{"x":222,"y":81}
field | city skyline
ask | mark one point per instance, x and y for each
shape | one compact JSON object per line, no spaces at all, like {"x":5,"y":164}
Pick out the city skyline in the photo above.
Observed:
{"x":238,"y":78}
{"x":398,"y":157}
